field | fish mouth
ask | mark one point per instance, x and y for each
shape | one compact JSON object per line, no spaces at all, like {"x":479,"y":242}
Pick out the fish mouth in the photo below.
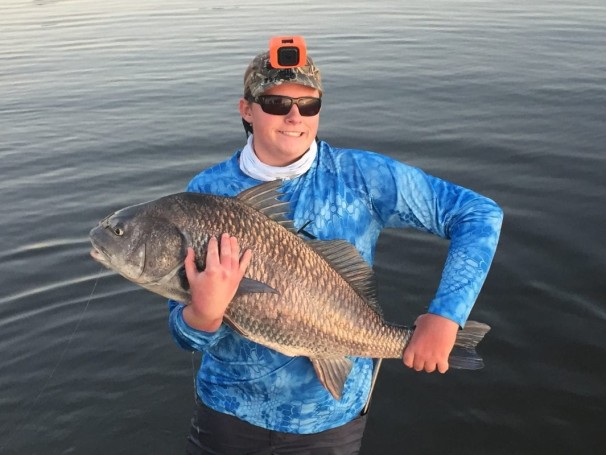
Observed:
{"x":105,"y":258}
{"x":99,"y":254}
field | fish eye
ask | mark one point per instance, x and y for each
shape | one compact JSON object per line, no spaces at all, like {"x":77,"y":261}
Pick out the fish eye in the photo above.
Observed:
{"x":118,"y":230}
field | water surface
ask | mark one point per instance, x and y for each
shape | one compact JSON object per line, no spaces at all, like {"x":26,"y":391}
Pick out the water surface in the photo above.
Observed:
{"x":106,"y":104}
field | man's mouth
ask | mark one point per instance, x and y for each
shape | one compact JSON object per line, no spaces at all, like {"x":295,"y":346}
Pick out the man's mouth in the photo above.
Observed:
{"x":292,"y":133}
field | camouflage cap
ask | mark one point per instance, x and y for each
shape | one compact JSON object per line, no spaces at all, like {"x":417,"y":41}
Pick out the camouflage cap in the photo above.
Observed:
{"x":260,"y":76}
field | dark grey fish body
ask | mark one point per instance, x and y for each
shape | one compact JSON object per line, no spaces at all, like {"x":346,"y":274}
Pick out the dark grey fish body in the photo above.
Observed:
{"x":301,"y":298}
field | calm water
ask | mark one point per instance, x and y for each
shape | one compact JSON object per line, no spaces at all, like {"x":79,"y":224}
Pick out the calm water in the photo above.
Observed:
{"x":106,"y":104}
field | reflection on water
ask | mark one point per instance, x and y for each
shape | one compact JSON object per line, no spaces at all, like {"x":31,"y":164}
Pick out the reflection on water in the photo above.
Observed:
{"x":105,"y":104}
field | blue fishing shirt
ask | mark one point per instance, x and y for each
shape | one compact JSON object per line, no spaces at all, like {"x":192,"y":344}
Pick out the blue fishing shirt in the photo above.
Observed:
{"x":352,"y":195}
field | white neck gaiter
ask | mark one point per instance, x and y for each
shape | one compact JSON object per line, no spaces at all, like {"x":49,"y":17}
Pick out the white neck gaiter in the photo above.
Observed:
{"x":253,"y":167}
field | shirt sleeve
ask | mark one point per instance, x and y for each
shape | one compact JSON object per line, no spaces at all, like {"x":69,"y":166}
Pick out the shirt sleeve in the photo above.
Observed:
{"x":187,"y":337}
{"x":405,"y":196}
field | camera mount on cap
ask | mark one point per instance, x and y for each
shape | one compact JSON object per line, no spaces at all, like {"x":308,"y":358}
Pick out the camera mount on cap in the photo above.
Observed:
{"x":287,"y":52}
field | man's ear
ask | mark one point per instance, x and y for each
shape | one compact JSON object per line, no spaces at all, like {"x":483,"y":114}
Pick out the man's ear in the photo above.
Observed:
{"x":245,"y":109}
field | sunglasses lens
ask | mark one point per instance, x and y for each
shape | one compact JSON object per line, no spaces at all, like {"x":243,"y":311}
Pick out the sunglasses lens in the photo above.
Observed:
{"x":308,"y":107}
{"x":275,"y":105}
{"x":281,"y":105}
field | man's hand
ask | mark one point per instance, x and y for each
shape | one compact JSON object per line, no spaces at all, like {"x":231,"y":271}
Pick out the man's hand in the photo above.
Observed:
{"x":431,"y":343}
{"x":213,"y":289}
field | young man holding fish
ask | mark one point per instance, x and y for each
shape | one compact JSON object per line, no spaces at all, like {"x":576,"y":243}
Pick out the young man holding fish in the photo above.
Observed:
{"x":253,"y":399}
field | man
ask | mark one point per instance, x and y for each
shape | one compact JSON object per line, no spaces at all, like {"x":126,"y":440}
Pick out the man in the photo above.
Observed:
{"x":253,"y":399}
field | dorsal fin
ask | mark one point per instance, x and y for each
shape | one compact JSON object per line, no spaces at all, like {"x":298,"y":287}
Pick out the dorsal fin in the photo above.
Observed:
{"x":264,"y":198}
{"x":340,"y":254}
{"x":346,"y":260}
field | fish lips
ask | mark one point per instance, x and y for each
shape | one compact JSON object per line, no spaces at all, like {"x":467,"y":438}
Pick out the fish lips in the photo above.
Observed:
{"x":98,"y":252}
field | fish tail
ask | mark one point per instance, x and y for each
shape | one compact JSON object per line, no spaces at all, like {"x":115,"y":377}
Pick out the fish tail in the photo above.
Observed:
{"x":464,"y":355}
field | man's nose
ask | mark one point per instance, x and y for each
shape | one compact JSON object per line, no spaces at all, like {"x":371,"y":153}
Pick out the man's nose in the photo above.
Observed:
{"x":294,"y":115}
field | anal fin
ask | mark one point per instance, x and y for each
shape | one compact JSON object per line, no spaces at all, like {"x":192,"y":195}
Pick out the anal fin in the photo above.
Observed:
{"x":332,"y":373}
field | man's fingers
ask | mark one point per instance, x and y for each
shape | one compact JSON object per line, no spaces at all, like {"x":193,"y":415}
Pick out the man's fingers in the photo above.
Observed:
{"x":408,"y":359}
{"x":235,"y":253}
{"x":245,"y":261}
{"x":443,"y":367}
{"x":419,"y":365}
{"x":429,"y":367}
{"x":230,"y":254}
{"x":212,"y":252}
{"x":225,"y":252}
{"x":190,"y":263}
{"x":221,"y":254}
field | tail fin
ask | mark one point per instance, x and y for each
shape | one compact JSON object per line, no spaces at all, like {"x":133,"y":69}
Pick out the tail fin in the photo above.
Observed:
{"x":464,"y":355}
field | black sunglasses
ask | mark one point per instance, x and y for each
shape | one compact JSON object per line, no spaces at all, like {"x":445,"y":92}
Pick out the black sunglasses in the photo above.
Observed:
{"x":281,"y":105}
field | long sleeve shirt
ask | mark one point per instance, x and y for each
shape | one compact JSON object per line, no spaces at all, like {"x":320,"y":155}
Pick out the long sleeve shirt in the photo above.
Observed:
{"x":351,"y":195}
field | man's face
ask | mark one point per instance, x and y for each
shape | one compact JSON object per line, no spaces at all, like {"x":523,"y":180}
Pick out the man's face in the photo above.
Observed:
{"x":280,"y":140}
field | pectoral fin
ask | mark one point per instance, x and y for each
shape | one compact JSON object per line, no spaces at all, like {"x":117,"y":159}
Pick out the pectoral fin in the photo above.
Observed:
{"x":250,"y":286}
{"x":332,"y":373}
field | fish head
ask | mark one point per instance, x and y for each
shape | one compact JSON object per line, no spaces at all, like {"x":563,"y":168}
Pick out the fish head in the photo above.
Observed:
{"x":144,"y":246}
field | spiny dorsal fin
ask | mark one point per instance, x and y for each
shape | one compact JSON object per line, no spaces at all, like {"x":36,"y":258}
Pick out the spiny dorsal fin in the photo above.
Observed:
{"x":332,"y":373}
{"x":340,"y":254}
{"x":264,"y":198}
{"x":346,"y":260}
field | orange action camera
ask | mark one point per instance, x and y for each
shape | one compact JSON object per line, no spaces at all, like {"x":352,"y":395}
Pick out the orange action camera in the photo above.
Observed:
{"x":287,"y":51}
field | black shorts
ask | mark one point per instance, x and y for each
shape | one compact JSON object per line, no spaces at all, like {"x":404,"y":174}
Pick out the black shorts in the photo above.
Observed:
{"x":215,"y":433}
